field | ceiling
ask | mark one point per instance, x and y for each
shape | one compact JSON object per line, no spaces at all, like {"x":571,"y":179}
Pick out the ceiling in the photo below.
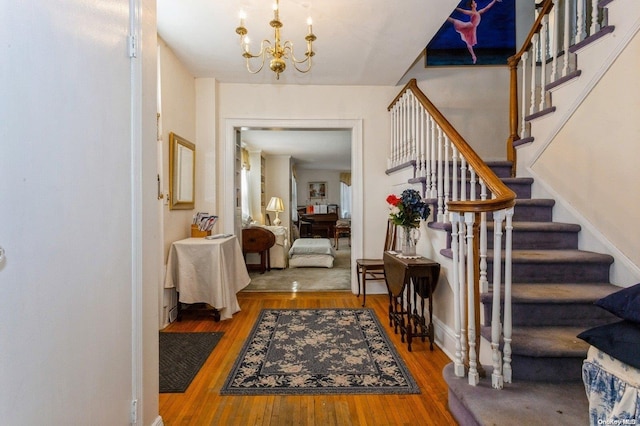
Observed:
{"x":318,"y":149}
{"x":359,"y":42}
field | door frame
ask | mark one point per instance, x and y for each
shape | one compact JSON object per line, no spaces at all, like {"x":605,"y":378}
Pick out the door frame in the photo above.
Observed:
{"x":231,"y":125}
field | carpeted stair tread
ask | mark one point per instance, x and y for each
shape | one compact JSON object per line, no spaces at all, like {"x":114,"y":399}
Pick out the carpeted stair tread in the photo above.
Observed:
{"x":502,"y":168}
{"x":550,"y":256}
{"x":520,"y":402}
{"x":522,"y":226}
{"x":549,"y":342}
{"x":556,"y":293}
{"x":558,"y":256}
{"x":542,"y":202}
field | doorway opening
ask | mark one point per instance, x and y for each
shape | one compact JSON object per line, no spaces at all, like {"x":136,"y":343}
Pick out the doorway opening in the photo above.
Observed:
{"x":230,"y":217}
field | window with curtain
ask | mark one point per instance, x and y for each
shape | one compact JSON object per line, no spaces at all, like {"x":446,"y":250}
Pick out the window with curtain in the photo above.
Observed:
{"x":244,"y":186}
{"x":345,"y":195}
{"x":294,"y":197}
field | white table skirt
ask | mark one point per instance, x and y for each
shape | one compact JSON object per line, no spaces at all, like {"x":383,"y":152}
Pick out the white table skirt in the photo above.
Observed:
{"x":208,"y":271}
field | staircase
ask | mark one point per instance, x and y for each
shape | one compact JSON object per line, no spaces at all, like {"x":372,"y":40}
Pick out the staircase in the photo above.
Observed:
{"x":554,"y":287}
{"x":532,"y":357}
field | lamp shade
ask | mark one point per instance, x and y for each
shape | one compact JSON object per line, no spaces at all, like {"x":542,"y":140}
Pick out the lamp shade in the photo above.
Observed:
{"x":275,"y":205}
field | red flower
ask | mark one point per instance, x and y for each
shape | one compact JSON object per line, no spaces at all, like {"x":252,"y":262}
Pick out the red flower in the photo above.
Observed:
{"x":393,"y":200}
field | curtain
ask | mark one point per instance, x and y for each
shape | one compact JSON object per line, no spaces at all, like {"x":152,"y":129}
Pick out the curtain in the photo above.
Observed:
{"x":345,"y":178}
{"x":246,"y":164}
{"x":345,"y":199}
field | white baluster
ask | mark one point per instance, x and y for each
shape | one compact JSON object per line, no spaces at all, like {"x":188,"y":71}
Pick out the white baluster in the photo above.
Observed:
{"x":463,"y":288}
{"x":496,"y":376}
{"x":581,"y":31}
{"x":458,"y":361}
{"x":419,"y":170}
{"x":440,"y":177}
{"x":543,"y":62}
{"x":447,"y":183}
{"x":454,"y":168}
{"x":594,"y":18}
{"x":523,"y":96}
{"x":423,"y":143}
{"x":555,"y":43}
{"x":506,"y":366}
{"x":434,"y":166}
{"x":473,"y":181}
{"x":474,"y":376}
{"x":402,"y":129}
{"x":484,"y":282}
{"x":534,"y":47}
{"x":416,"y":130}
{"x":391,"y":161}
{"x":567,"y":37}
{"x":463,"y":179}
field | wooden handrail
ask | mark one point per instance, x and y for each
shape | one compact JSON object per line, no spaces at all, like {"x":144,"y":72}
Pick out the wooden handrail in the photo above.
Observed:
{"x":513,"y":62}
{"x":504,"y":197}
{"x":546,"y":8}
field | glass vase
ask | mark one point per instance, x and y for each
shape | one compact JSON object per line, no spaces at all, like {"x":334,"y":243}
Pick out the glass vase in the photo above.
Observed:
{"x":410,"y":237}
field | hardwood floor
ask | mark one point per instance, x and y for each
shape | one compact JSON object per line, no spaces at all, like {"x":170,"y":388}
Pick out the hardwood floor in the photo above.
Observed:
{"x":202,"y":404}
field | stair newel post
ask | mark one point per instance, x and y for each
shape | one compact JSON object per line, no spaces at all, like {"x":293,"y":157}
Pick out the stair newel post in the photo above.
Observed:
{"x":458,"y":360}
{"x":507,"y":330}
{"x":496,"y":376}
{"x":513,"y":112}
{"x":472,"y":302}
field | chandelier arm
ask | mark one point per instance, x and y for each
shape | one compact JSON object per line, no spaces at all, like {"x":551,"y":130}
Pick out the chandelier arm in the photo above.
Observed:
{"x":265,"y":47}
{"x":288,"y":47}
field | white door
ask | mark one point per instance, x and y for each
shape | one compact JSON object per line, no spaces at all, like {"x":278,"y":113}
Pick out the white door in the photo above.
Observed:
{"x":68,"y":185}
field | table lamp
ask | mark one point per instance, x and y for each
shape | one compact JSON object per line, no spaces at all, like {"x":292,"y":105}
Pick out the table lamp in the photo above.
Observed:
{"x":276,"y":205}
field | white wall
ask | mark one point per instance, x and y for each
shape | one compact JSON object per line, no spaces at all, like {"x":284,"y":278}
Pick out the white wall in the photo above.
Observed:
{"x":251,"y":102}
{"x":76,"y":179}
{"x":331,"y":177}
{"x":278,"y":184}
{"x":178,"y":115}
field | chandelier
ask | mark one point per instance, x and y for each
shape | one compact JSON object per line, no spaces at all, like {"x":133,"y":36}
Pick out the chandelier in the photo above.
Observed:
{"x":277,"y":51}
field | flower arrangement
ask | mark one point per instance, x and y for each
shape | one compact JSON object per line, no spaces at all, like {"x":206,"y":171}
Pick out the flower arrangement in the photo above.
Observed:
{"x":408,"y":209}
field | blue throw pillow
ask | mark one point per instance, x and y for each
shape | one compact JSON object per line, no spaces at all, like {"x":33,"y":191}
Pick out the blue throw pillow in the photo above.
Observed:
{"x":621,"y":340}
{"x":624,"y":304}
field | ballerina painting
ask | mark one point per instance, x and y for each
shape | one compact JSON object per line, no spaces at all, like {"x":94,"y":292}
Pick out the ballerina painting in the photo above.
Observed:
{"x":463,"y":40}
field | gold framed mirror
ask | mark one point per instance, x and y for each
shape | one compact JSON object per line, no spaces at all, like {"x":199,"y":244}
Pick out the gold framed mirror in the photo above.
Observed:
{"x":182,"y":173}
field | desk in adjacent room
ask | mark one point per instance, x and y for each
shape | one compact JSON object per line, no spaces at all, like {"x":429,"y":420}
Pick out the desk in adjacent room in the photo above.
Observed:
{"x":407,"y":279}
{"x":207,"y":271}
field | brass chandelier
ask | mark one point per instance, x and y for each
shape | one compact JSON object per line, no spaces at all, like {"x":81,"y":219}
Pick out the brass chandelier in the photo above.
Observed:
{"x":278,"y":51}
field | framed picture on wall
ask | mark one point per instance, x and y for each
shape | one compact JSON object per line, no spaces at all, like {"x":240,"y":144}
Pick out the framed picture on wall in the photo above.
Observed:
{"x":481,"y":32}
{"x":317,"y":189}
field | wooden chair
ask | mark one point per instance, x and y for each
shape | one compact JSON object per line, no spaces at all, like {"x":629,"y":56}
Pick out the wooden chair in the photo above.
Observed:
{"x":373,"y":269}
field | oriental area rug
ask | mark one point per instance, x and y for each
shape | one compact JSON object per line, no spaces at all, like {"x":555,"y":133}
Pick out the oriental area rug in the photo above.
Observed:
{"x":181,"y":357}
{"x":318,"y":351}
